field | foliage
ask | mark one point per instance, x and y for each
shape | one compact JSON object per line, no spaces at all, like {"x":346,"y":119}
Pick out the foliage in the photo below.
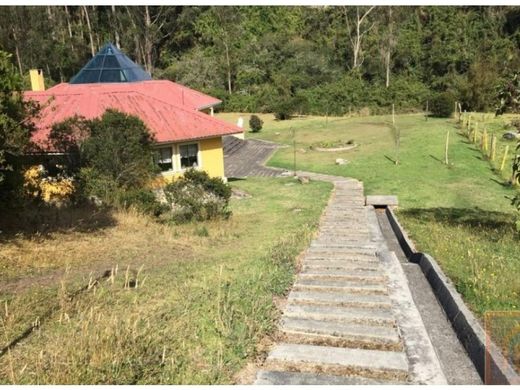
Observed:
{"x":509,"y":96}
{"x":197,"y":196}
{"x":257,"y":59}
{"x":56,"y":190}
{"x":255,"y":123}
{"x":441,"y":105}
{"x":119,"y":150}
{"x":67,"y":137}
{"x":15,"y":125}
{"x":141,"y":199}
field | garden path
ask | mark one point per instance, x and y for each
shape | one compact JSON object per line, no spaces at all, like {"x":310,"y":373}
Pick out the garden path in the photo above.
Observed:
{"x":350,"y":317}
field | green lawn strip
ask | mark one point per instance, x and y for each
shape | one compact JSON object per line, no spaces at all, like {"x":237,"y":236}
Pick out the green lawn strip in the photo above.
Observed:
{"x":196,"y":321}
{"x":459,"y":213}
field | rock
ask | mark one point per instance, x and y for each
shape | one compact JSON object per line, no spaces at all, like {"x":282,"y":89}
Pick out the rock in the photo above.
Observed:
{"x":304,"y":179}
{"x":277,"y":133}
{"x":341,"y":161}
{"x":286,"y":173}
{"x":239,"y":194}
{"x":510,"y":135}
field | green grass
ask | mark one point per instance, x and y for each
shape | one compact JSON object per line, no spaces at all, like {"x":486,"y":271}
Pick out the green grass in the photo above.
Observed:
{"x":458,"y":213}
{"x":204,"y":301}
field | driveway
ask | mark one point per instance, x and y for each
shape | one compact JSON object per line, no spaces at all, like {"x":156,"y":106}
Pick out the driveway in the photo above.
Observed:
{"x":243,"y":158}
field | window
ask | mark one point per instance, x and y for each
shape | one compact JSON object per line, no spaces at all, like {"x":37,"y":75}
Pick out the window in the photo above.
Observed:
{"x":164,"y":159}
{"x":189,"y":156}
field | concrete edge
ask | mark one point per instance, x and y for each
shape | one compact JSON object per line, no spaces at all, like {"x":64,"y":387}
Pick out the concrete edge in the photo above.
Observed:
{"x":424,"y":362}
{"x":466,"y":326}
{"x":405,"y":242}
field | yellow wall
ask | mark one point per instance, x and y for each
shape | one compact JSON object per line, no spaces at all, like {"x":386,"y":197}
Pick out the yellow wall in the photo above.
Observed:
{"x":212,"y":156}
{"x":211,"y":159}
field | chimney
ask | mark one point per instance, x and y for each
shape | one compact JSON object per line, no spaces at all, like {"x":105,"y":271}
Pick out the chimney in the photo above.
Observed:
{"x":37,"y":82}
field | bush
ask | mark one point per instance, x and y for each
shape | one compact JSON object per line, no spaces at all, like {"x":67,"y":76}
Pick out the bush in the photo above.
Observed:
{"x":143,"y":200}
{"x":442,"y":105}
{"x":120,"y":149}
{"x":255,"y":123}
{"x":197,"y":196}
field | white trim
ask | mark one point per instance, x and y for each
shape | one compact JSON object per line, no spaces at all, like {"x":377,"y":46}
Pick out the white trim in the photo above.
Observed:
{"x":199,"y":155}
{"x":174,"y":165}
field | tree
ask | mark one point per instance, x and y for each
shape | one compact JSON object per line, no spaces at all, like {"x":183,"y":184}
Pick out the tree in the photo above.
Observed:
{"x":356,"y":31}
{"x":221,"y":25}
{"x":119,"y":150}
{"x":16,"y":125}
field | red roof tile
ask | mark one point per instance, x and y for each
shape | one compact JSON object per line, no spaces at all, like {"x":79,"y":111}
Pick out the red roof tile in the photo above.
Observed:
{"x":168,"y":109}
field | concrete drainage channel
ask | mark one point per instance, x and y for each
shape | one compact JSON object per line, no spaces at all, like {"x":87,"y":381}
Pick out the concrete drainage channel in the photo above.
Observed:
{"x":350,"y":317}
{"x":367,"y":309}
{"x":433,"y":291}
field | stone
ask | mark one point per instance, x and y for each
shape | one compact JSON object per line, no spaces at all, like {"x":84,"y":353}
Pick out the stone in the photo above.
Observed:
{"x":511,"y":135}
{"x":304,"y":179}
{"x":341,"y":161}
{"x":381,"y":200}
{"x":239,"y":194}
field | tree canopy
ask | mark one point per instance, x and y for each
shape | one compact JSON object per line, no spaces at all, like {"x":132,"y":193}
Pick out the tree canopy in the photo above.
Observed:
{"x":321,"y":59}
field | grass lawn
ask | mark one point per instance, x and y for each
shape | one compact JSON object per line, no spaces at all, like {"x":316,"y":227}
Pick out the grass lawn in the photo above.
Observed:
{"x":204,"y":298}
{"x":458,"y":213}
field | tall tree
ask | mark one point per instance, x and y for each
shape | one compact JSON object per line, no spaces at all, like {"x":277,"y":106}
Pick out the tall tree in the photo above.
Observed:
{"x":358,"y":26}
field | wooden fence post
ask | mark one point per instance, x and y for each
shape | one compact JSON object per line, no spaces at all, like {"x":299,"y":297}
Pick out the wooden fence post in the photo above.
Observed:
{"x":504,"y":158}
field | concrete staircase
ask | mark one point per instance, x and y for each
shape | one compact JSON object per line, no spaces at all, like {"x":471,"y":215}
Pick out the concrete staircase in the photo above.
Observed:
{"x":350,"y":317}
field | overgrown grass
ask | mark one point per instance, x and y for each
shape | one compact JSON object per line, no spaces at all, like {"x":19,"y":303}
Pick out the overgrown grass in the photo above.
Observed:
{"x":203,"y":298}
{"x":459,"y":213}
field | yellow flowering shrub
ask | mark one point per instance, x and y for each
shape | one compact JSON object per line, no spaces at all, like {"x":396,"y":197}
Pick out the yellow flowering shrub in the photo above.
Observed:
{"x":53,"y":190}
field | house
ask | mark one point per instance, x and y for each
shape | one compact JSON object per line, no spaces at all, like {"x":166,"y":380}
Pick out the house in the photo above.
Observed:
{"x":180,"y":118}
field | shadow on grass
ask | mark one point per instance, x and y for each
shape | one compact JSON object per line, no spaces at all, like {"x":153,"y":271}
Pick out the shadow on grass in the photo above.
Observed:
{"x":37,"y":221}
{"x":390,"y":159}
{"x":436,"y":159}
{"x":472,"y":218}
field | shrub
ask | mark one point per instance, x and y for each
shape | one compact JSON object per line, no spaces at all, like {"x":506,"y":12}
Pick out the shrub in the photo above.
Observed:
{"x":120,"y":149}
{"x":41,"y":186}
{"x":255,"y":123}
{"x":143,"y":200}
{"x":197,"y":196}
{"x":442,"y":105}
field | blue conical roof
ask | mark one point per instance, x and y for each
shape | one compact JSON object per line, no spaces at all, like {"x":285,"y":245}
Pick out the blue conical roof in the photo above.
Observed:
{"x":110,"y":65}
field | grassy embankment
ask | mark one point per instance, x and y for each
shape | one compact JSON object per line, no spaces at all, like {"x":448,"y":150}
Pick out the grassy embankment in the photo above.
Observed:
{"x":458,"y":213}
{"x":203,"y":294}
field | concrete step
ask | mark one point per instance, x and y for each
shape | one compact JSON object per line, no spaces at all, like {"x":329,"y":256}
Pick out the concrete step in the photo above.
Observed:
{"x":337,"y":334}
{"x":345,"y":286}
{"x":342,"y":274}
{"x":304,"y":378}
{"x":358,"y":258}
{"x":339,"y":361}
{"x":339,"y":245}
{"x":340,"y":264}
{"x":323,"y":251}
{"x":339,"y":299}
{"x":358,"y":315}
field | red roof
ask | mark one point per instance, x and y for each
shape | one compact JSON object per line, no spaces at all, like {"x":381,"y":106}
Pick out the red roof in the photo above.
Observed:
{"x":168,"y":109}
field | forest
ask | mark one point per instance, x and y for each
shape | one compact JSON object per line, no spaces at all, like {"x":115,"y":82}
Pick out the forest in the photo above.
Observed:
{"x":323,"y":60}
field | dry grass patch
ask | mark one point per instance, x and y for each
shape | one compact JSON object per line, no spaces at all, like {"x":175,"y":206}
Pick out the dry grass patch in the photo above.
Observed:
{"x":203,"y":303}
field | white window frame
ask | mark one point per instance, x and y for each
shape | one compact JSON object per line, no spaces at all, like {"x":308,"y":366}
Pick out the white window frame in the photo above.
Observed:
{"x":174,"y":159}
{"x":199,"y":155}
